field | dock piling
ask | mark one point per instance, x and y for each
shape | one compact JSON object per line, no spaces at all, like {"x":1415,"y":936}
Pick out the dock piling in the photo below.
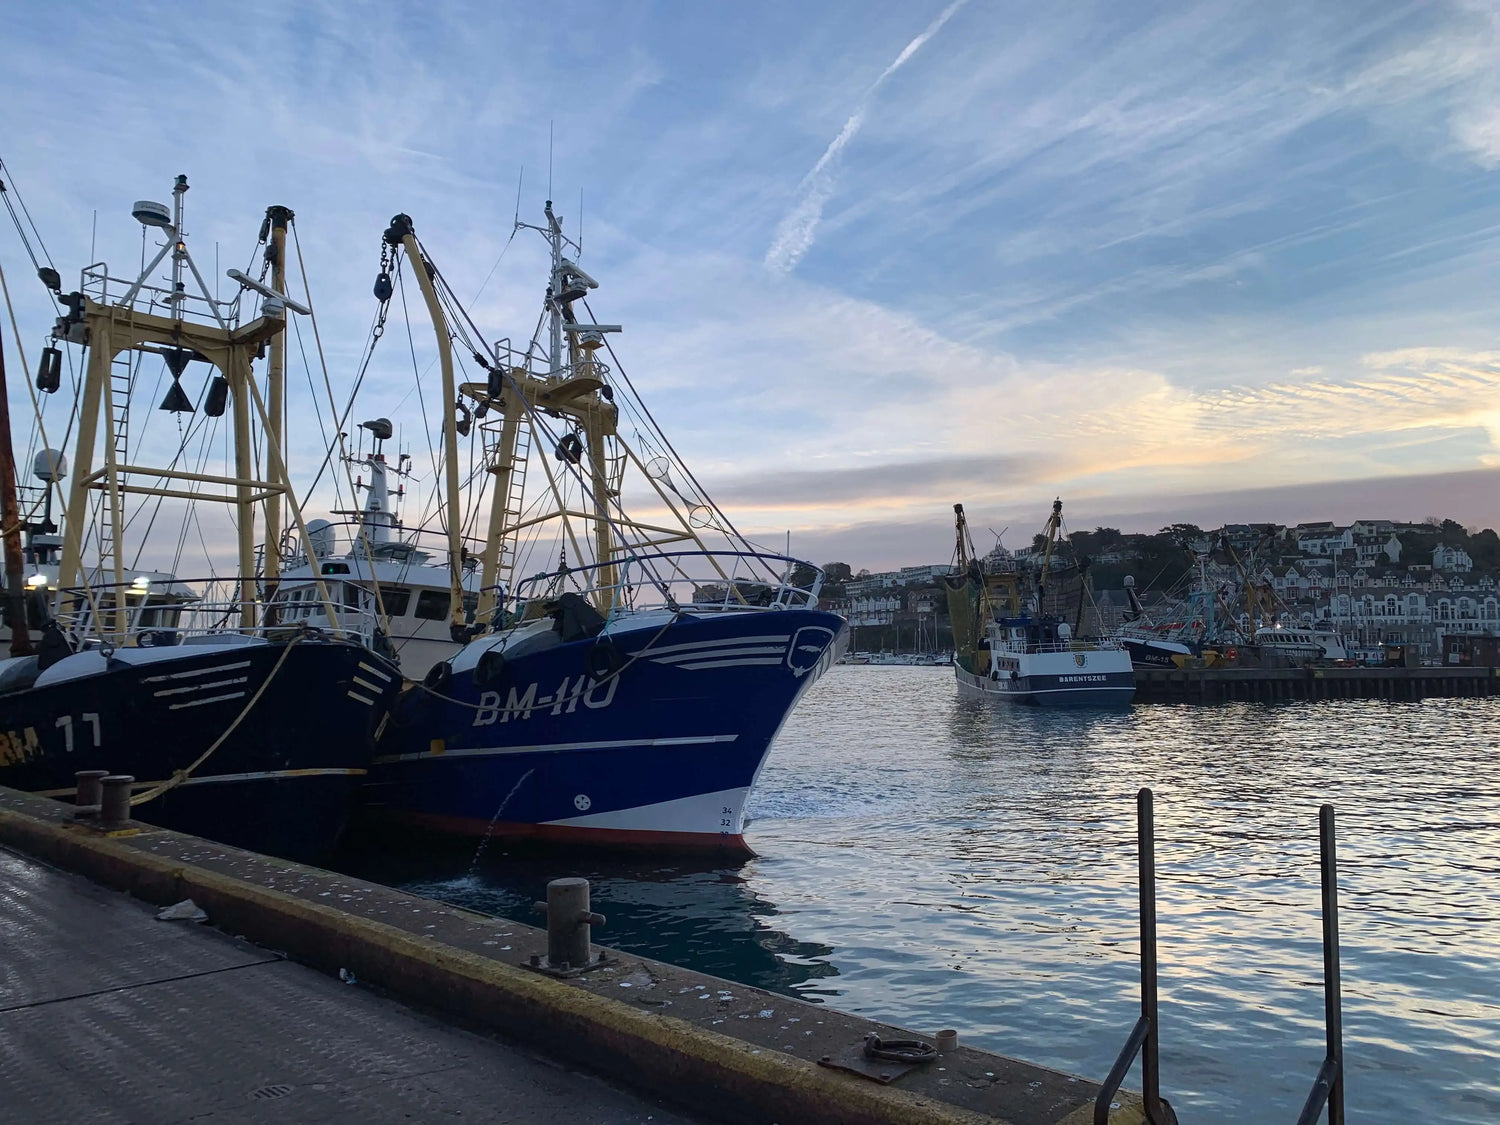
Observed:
{"x":1328,"y":1087}
{"x":1143,"y":1038}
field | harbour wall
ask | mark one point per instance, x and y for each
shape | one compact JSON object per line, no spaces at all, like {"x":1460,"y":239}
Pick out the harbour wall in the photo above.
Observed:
{"x":1274,"y":685}
{"x":714,"y":1047}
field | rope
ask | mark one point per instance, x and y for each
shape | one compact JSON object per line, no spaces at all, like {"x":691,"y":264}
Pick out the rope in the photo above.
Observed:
{"x":179,"y":776}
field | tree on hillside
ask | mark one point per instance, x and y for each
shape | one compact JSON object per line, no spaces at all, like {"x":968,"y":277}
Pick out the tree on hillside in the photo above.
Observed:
{"x":837,"y":572}
{"x":1484,"y":549}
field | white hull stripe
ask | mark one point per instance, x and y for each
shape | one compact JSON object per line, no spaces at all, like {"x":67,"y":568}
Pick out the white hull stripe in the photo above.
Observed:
{"x":210,"y":699}
{"x":702,"y":814}
{"x":359,"y":698}
{"x":751,"y":650}
{"x":375,"y":671}
{"x":731,"y":663}
{"x":267,"y":775}
{"x":367,"y":685}
{"x":200,"y":687}
{"x":195,"y":672}
{"x":727,"y":642}
{"x":556,"y":747}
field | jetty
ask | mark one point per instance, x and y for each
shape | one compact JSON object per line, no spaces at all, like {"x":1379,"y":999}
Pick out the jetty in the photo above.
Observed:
{"x":1276,"y":685}
{"x":330,"y":998}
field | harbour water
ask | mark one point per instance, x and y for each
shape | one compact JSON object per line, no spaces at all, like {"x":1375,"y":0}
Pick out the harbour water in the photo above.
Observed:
{"x":942,"y":863}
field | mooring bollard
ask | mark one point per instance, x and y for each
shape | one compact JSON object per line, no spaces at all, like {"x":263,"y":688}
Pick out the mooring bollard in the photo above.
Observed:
{"x":946,"y":1040}
{"x":90,"y":792}
{"x":114,"y":803}
{"x":570,"y":923}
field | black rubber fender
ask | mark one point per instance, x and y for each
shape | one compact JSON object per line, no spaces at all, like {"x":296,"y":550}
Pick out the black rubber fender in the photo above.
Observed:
{"x":604,"y":659}
{"x":490,"y":669}
{"x":438,"y":676}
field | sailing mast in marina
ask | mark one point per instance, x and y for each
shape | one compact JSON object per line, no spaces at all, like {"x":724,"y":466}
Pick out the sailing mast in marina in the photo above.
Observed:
{"x":237,"y":729}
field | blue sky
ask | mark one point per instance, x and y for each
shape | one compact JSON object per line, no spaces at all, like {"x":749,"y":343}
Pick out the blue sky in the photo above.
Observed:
{"x":871,"y":259}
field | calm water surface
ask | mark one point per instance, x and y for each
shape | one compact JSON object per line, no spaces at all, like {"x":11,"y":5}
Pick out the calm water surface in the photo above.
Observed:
{"x":941,"y":863}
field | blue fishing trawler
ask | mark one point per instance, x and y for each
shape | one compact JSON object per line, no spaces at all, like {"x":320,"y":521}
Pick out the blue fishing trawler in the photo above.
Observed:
{"x":628,"y":691}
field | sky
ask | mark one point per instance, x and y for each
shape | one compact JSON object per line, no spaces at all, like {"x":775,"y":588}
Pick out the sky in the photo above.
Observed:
{"x":1211,"y":262}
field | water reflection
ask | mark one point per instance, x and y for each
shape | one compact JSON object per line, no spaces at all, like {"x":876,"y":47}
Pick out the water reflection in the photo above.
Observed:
{"x":703,"y":916}
{"x":943,"y":863}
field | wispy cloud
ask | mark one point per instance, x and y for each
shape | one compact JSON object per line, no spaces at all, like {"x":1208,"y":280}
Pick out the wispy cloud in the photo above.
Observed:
{"x":796,"y":232}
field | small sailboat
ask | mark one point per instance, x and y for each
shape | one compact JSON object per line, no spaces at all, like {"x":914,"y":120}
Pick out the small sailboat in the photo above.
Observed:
{"x":1026,"y":655}
{"x":235,"y":726}
{"x":628,"y":690}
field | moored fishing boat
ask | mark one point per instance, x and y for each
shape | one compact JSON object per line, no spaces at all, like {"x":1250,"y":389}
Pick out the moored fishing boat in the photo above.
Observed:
{"x":629,"y":691}
{"x":235,"y":728}
{"x":1005,"y":650}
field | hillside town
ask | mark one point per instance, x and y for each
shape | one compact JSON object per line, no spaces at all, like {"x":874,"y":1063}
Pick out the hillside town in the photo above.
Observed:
{"x":1425,"y":588}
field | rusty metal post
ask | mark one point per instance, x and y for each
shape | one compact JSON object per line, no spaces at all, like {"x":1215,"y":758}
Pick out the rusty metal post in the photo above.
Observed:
{"x":114,"y":804}
{"x":1328,"y":1087}
{"x":570,"y":923}
{"x":90,"y":793}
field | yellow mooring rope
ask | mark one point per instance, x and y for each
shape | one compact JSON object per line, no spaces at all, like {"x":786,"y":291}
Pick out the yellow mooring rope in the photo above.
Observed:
{"x":179,"y":776}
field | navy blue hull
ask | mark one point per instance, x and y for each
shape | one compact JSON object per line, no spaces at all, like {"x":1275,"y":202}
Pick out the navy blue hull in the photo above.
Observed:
{"x":283,"y":782}
{"x":662,"y":751}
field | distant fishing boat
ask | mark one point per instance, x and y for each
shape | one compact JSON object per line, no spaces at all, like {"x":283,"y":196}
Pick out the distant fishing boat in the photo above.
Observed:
{"x":628,"y":690}
{"x":235,"y":727}
{"x":1020,"y":654}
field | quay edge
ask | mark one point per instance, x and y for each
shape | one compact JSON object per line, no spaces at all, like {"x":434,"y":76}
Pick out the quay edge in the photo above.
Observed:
{"x":446,"y":958}
{"x":1275,"y":685}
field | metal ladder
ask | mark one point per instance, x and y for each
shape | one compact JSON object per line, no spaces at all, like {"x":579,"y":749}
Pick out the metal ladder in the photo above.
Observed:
{"x":122,"y":372}
{"x":514,"y":505}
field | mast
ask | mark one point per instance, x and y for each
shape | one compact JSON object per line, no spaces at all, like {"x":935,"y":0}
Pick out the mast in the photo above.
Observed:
{"x":400,"y":233}
{"x":129,"y":324}
{"x":277,"y":218}
{"x":1054,"y":522}
{"x":10,"y":516}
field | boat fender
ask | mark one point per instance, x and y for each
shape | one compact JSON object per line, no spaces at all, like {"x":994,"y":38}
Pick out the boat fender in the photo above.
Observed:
{"x":604,"y":659}
{"x":1014,"y":674}
{"x":490,"y":669}
{"x":438,"y":676}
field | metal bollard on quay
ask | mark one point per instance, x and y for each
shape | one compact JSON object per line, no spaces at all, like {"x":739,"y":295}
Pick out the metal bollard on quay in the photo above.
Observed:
{"x":570,"y":925}
{"x":90,"y":792}
{"x":114,"y":805}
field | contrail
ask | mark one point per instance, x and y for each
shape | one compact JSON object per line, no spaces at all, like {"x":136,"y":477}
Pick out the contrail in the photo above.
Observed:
{"x":795,"y":233}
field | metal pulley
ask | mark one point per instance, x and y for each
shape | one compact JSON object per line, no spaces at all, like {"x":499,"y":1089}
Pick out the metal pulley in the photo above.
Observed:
{"x":383,"y":287}
{"x":570,"y":449}
{"x":49,"y":371}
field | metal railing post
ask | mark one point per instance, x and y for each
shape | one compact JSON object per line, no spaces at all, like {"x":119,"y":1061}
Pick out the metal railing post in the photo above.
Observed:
{"x":1143,"y":1037}
{"x":1328,"y":1087}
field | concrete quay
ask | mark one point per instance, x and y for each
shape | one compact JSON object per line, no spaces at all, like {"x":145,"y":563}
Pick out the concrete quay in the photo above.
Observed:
{"x":97,"y":995}
{"x":107,"y":1015}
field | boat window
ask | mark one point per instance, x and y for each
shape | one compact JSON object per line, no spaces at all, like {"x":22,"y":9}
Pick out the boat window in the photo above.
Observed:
{"x":396,"y":599}
{"x":432,"y":605}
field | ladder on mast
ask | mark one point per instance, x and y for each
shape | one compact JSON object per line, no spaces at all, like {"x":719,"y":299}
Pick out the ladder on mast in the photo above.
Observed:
{"x":515,"y":500}
{"x":122,"y":373}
